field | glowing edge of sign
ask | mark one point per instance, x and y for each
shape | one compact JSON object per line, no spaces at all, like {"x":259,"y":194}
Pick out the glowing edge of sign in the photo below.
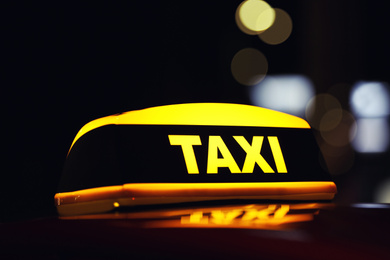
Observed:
{"x":208,"y":114}
{"x":104,"y":199}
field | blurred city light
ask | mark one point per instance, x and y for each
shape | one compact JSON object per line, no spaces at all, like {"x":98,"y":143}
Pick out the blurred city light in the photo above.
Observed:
{"x":370,"y":102}
{"x":280,"y":29}
{"x":249,"y":66}
{"x":285,"y":93}
{"x":370,"y":99}
{"x":372,"y":135}
{"x":342,"y":130}
{"x":371,"y":205}
{"x":257,"y":17}
{"x":318,"y":109}
{"x":330,"y":120}
{"x":336,"y":128}
{"x":254,"y":16}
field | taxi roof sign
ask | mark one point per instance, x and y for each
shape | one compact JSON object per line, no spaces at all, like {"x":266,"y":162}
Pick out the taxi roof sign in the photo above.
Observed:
{"x":212,"y":114}
{"x":191,"y":152}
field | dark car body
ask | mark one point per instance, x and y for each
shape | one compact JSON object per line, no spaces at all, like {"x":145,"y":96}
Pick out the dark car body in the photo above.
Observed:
{"x":226,"y":230}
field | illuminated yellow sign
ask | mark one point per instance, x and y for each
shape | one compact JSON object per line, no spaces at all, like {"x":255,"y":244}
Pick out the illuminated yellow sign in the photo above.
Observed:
{"x":212,"y":114}
{"x":200,"y":152}
{"x":216,"y":143}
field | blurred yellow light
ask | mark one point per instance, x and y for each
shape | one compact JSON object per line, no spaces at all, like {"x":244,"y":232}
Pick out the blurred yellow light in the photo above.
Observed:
{"x":254,"y":16}
{"x":249,"y":66}
{"x":280,"y":29}
{"x":284,"y":209}
{"x":261,"y":216}
{"x":225,"y":218}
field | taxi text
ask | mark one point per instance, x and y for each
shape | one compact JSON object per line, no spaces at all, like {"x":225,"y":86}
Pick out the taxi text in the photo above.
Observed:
{"x":216,"y":143}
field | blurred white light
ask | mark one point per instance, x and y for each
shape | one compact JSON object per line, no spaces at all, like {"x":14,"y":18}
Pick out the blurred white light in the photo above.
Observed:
{"x":371,"y":205}
{"x":372,"y":135}
{"x":370,"y":99}
{"x":285,"y":93}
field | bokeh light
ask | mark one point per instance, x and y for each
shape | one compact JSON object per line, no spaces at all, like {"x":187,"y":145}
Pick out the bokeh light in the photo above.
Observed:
{"x":280,"y":30}
{"x":318,"y":107}
{"x":370,"y":102}
{"x":285,"y":93}
{"x":249,"y":66}
{"x":372,"y":135}
{"x":336,"y":127}
{"x":370,"y":99}
{"x":336,"y":134}
{"x":330,"y":120}
{"x":343,"y":128}
{"x":254,"y":16}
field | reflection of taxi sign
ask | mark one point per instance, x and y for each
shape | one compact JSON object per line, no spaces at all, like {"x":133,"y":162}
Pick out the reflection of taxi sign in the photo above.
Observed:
{"x":191,"y":152}
{"x":253,"y":216}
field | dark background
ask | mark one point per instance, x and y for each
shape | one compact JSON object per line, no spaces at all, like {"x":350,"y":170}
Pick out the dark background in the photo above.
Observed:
{"x":66,"y":64}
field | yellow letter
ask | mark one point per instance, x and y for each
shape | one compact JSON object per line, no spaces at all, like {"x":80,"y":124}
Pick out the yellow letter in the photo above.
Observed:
{"x":253,"y":154}
{"x":213,"y":162}
{"x":282,"y":211}
{"x":196,"y":217}
{"x":219,"y":217}
{"x":277,"y":153}
{"x":186,"y":142}
{"x":265,"y":213}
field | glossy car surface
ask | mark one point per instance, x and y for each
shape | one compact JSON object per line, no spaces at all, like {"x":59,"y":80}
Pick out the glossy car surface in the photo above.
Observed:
{"x":233,"y":230}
